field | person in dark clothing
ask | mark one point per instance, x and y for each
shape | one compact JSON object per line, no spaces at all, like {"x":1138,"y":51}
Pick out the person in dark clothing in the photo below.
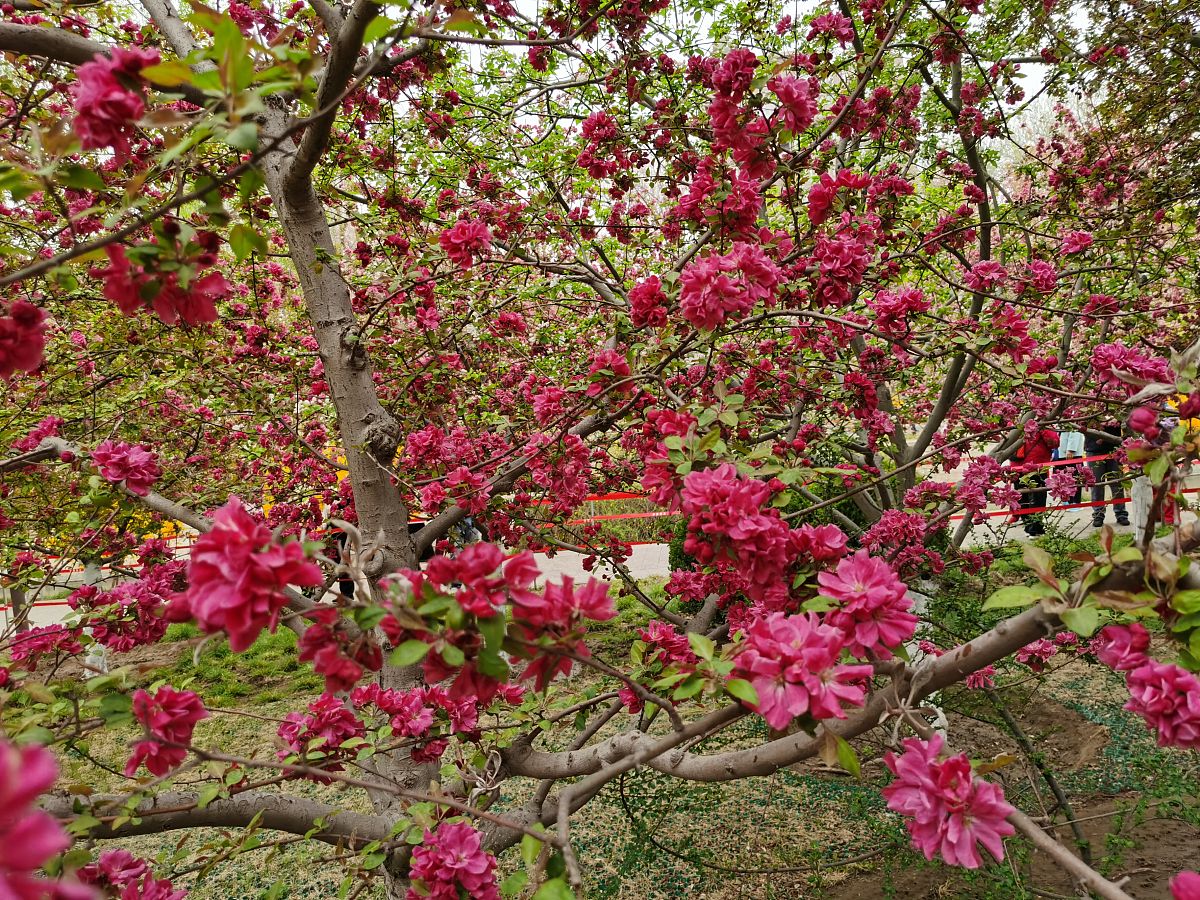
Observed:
{"x":1103,"y":442}
{"x":1037,"y":450}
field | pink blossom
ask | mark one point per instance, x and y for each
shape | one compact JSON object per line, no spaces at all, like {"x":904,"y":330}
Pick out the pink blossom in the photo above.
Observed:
{"x":981,"y":679}
{"x":985,"y":276}
{"x":797,"y":101}
{"x":648,"y":303}
{"x":466,"y":240}
{"x":667,"y":643}
{"x":105,"y":106}
{"x":237,"y":574}
{"x":874,"y":613}
{"x":28,"y":647}
{"x":1168,"y":698}
{"x":793,"y":663}
{"x":735,"y":73}
{"x":22,"y":338}
{"x":1120,"y":365}
{"x":833,"y":24}
{"x":133,"y":287}
{"x":894,"y":309}
{"x":150,"y":888}
{"x":821,"y":543}
{"x":169,"y":716}
{"x":114,"y":869}
{"x":1185,"y":886}
{"x":1062,"y":483}
{"x":1122,"y":647}
{"x":136,"y":466}
{"x":715,"y":287}
{"x":324,"y":728}
{"x":731,"y":512}
{"x":561,"y":604}
{"x":949,"y":811}
{"x":28,"y":836}
{"x":1075,"y":242}
{"x":1144,"y":421}
{"x":1036,"y":654}
{"x":451,"y":862}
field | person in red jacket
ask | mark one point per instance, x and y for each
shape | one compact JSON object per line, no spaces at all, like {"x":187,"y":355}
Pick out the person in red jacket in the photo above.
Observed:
{"x":1031,"y":457}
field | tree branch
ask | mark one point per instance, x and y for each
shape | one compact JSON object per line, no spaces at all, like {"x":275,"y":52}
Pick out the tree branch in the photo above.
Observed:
{"x":172,"y":811}
{"x":338,"y":71}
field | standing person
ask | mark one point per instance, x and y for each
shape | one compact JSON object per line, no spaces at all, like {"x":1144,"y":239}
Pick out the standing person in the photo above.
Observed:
{"x":1103,"y":442}
{"x":1070,"y":446}
{"x":1039,"y":447}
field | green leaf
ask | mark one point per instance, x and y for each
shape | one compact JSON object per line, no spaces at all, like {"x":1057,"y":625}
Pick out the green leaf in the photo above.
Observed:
{"x":1186,"y":602}
{"x":530,"y":848}
{"x":555,"y":889}
{"x":514,"y":884}
{"x":1013,"y":596}
{"x":244,"y":137}
{"x":378,"y":28}
{"x":81,"y":178}
{"x":847,"y":758}
{"x":243,"y":240}
{"x":367,"y":617}
{"x":1038,"y":560}
{"x":690,"y":688}
{"x":1127,"y":554}
{"x":453,"y":656}
{"x":1156,"y":471}
{"x":742,"y":690}
{"x":1083,"y":620}
{"x":408,"y":653}
{"x":493,"y":629}
{"x":208,"y":794}
{"x":82,"y":824}
{"x":702,"y":646}
{"x":171,"y":73}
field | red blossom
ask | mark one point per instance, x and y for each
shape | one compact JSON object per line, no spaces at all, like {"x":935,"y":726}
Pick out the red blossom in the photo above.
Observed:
{"x":22,"y":338}
{"x":237,"y":575}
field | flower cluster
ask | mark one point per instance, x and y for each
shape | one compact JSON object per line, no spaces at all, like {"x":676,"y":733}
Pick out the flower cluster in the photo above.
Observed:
{"x":949,"y":811}
{"x":133,"y":286}
{"x":716,"y":286}
{"x":334,"y":653}
{"x":22,"y":338}
{"x":169,"y":716}
{"x":1167,"y":697}
{"x":648,"y":303}
{"x":464,"y":241}
{"x":728,"y":509}
{"x":875,"y":607}
{"x":136,"y":466}
{"x":29,"y":835}
{"x":793,"y":663}
{"x":323,"y":729}
{"x":450,"y":863}
{"x":119,"y":873}
{"x":106,"y":106}
{"x":237,"y":574}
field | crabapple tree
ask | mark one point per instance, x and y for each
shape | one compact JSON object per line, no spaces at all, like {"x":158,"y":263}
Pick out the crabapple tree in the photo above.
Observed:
{"x":274,"y":269}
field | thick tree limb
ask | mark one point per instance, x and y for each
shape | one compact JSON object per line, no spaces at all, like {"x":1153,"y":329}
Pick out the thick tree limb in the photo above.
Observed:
{"x":339,"y":69}
{"x":279,"y":812}
{"x":49,"y":43}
